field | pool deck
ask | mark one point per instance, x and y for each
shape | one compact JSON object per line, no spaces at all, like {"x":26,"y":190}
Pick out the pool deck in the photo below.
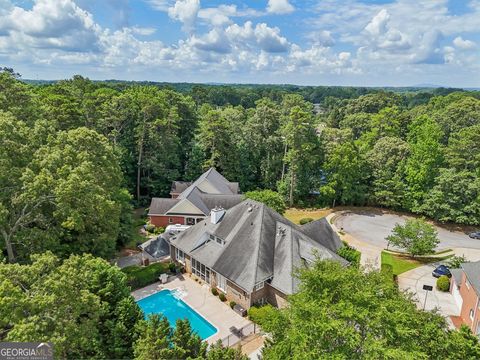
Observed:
{"x":199,"y":298}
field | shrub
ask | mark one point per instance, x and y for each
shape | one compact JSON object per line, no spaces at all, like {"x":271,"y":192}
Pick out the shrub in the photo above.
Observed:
{"x":443,"y":283}
{"x":150,"y":228}
{"x":172,"y":267}
{"x":214,"y":291}
{"x":232,"y":304}
{"x":259,"y":313}
{"x":305,"y":221}
{"x":456,"y":261}
{"x":138,"y":277}
{"x":158,"y":230}
{"x":222,"y":297}
{"x":350,"y":254}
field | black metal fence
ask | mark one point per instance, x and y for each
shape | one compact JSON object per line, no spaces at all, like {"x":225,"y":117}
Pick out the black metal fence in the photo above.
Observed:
{"x":238,"y":335}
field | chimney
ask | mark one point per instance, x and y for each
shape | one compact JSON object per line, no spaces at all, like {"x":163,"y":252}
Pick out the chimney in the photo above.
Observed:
{"x":216,"y":214}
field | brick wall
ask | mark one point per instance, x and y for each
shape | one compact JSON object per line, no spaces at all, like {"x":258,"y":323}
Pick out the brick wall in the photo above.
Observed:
{"x":470,"y":302}
{"x":234,"y":293}
{"x":275,"y":297}
{"x":164,"y":221}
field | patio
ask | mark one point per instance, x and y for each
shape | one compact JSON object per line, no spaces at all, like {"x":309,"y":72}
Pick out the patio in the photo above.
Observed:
{"x":199,"y":297}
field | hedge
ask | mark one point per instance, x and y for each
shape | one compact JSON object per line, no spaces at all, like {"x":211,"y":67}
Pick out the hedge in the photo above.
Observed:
{"x":139,"y":276}
{"x":350,"y":254}
{"x":305,"y":221}
{"x":443,"y":283}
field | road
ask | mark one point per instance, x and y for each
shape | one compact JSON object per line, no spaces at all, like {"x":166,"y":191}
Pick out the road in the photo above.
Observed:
{"x":373,"y":227}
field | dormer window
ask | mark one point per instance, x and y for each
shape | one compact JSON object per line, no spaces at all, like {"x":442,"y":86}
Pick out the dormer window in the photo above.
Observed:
{"x":218,"y":240}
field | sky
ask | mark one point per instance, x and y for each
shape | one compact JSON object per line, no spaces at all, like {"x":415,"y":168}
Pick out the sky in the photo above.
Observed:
{"x":310,"y":42}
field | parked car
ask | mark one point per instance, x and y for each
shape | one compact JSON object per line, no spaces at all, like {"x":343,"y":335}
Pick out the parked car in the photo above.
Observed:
{"x":441,"y":270}
{"x":475,"y":235}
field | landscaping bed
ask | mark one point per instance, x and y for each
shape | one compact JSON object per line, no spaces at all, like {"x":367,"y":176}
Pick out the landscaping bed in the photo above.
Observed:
{"x":141,"y":276}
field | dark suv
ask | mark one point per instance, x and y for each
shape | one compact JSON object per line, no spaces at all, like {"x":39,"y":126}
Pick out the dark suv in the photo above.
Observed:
{"x":475,"y":235}
{"x":441,"y":270}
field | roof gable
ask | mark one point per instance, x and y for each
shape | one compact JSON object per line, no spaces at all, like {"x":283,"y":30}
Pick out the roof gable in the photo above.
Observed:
{"x":185,"y":206}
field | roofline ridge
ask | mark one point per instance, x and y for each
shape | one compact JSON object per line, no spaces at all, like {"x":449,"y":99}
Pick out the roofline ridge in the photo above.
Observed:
{"x":258,"y":243}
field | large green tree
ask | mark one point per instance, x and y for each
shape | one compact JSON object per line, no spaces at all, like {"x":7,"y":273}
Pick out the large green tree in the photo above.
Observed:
{"x":425,"y":160}
{"x":416,"y":236}
{"x":82,"y":305}
{"x":346,"y":313}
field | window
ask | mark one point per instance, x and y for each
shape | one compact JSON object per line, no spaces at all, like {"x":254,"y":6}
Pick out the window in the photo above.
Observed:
{"x":170,"y":220}
{"x":471,"y":314}
{"x":201,"y":271}
{"x":221,"y":282}
{"x":190,"y":221}
{"x":180,"y":256}
{"x":259,"y":286}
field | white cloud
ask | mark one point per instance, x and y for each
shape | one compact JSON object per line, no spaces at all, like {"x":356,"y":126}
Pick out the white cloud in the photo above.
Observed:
{"x":460,"y":43}
{"x":186,"y":12}
{"x":279,"y":7}
{"x":322,"y":38}
{"x":160,"y":5}
{"x":218,"y":16}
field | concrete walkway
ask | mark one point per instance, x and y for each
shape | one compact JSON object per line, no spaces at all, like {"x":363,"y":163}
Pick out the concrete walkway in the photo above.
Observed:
{"x":199,"y":297}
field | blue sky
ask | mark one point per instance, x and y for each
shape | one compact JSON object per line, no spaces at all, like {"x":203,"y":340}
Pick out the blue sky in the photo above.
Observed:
{"x":312,"y":42}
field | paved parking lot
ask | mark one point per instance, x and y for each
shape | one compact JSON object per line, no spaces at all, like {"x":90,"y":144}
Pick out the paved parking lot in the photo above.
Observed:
{"x":373,"y":226}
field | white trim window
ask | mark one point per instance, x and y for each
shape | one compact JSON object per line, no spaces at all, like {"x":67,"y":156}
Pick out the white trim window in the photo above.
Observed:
{"x":221,"y":282}
{"x":180,"y":256}
{"x":472,"y":314}
{"x":259,"y":286}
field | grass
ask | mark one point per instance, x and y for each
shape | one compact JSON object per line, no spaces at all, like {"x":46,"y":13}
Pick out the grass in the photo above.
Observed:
{"x":401,"y":264}
{"x":138,"y":276}
{"x":295,"y":215}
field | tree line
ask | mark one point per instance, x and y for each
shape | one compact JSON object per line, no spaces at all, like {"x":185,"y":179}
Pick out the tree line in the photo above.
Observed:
{"x":76,"y":154}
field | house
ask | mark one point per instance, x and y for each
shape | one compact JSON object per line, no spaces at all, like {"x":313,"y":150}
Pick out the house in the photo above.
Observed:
{"x":250,"y":252}
{"x":465,"y":288}
{"x":191,"y":202}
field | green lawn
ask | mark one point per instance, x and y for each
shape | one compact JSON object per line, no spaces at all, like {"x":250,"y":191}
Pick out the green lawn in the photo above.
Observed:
{"x":295,"y":215}
{"x":401,"y":264}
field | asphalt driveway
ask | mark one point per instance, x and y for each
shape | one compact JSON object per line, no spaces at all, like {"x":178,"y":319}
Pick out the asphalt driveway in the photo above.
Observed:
{"x":372,"y":227}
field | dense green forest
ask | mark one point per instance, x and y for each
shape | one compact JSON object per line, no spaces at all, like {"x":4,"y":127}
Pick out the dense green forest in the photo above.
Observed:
{"x":77,"y":155}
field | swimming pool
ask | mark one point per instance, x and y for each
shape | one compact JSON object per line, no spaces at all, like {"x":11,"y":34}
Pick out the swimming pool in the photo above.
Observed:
{"x":164,"y":302}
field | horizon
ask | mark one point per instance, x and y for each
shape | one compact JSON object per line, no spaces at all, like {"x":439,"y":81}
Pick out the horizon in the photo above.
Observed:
{"x":355,"y":43}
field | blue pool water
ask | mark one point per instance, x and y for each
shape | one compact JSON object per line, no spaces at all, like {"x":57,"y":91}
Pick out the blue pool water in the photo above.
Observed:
{"x":164,"y":302}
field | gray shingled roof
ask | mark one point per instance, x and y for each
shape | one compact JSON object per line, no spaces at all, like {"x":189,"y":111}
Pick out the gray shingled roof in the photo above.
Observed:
{"x":472,"y":271}
{"x":322,"y":232}
{"x":159,"y":206}
{"x":227,"y":198}
{"x":260,"y":245}
{"x":217,"y":180}
{"x":457,"y":275}
{"x":180,"y":186}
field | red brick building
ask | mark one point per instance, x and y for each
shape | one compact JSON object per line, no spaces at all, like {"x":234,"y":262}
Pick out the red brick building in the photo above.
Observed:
{"x":465,"y":288}
{"x":192,"y":202}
